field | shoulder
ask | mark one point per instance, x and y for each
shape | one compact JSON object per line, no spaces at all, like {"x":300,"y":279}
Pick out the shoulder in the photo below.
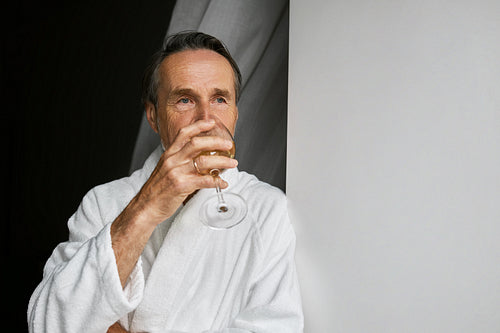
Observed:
{"x":111,"y":198}
{"x":104,"y":202}
{"x":267,"y":204}
{"x":262,"y":196}
{"x":101,"y":205}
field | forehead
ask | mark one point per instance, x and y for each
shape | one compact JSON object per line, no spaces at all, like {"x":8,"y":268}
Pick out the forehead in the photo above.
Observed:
{"x":196,"y":68}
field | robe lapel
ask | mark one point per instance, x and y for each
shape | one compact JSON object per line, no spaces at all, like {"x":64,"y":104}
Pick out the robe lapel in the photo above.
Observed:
{"x":184,"y":241}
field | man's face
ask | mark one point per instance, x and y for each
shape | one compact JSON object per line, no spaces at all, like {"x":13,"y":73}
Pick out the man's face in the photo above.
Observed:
{"x":194,"y":85}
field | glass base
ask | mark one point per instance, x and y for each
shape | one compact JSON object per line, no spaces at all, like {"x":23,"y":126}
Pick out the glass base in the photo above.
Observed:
{"x":223,"y":215}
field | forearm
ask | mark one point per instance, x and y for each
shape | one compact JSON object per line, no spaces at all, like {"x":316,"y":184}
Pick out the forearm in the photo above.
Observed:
{"x":129,"y":234}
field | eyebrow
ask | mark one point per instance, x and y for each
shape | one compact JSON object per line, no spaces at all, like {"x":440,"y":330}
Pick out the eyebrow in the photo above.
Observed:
{"x":222,"y":92}
{"x":191,"y":92}
{"x":182,"y":91}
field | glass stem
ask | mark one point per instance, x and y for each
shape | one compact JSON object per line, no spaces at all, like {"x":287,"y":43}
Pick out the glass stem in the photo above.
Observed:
{"x":221,"y":206}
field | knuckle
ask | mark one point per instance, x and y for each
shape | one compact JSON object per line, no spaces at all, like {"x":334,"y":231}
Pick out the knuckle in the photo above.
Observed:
{"x":167,"y":164}
{"x":202,"y":160}
{"x":207,"y":182}
{"x":177,"y":186}
{"x":195,"y":141}
{"x":177,"y":183}
{"x":171,"y":175}
{"x":182,"y":132}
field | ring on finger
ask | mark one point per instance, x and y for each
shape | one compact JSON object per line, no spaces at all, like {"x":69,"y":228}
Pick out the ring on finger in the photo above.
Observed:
{"x":196,"y":166}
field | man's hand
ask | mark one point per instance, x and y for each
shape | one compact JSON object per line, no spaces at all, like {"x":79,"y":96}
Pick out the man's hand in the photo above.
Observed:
{"x":174,"y":178}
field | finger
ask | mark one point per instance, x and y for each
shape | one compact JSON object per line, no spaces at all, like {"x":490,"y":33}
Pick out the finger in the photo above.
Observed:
{"x":206,"y":181}
{"x":201,"y":144}
{"x":186,"y":133}
{"x":204,"y":163}
{"x":179,"y":183}
{"x":190,"y":151}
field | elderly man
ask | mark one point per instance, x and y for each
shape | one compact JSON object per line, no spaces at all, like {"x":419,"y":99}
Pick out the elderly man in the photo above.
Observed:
{"x":138,"y":258}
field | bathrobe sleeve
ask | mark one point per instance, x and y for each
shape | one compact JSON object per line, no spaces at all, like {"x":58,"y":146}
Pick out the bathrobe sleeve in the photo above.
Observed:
{"x":81,"y":290}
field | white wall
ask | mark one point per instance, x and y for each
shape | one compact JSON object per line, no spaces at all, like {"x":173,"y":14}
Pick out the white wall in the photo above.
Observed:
{"x":394,"y":164}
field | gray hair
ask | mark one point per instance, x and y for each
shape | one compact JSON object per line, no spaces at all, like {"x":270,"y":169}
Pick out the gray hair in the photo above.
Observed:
{"x":187,"y":40}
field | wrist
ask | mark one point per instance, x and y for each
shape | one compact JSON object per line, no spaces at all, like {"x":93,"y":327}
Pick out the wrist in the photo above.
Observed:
{"x":143,"y":213}
{"x":152,"y":207}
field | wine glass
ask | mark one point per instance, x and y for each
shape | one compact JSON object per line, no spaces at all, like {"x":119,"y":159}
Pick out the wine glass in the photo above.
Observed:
{"x":221,"y":210}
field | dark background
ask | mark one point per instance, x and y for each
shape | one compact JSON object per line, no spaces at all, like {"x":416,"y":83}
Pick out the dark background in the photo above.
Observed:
{"x":71,"y":111}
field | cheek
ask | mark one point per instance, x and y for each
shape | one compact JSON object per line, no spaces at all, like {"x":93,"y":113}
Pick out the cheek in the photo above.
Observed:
{"x":173,"y":123}
{"x":230,"y":120}
{"x":172,"y":130}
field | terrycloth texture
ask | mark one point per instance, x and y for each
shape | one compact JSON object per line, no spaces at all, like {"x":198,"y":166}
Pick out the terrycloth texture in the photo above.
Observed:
{"x":189,"y":278}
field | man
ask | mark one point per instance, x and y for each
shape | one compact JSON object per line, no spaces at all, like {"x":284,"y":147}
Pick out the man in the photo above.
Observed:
{"x":138,"y":258}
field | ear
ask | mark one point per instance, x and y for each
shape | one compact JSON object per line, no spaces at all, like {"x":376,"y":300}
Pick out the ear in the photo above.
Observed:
{"x":151,"y":115}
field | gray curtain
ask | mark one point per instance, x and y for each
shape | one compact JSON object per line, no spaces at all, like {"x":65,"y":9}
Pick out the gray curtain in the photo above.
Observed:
{"x":256,"y":34}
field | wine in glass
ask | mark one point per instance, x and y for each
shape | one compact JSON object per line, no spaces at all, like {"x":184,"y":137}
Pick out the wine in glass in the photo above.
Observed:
{"x":222,"y":210}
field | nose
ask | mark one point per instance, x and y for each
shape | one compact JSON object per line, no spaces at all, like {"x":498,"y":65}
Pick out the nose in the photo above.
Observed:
{"x":203,"y":111}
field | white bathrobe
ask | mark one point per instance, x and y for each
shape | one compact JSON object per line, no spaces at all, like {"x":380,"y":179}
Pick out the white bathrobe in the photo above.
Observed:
{"x":189,"y":278}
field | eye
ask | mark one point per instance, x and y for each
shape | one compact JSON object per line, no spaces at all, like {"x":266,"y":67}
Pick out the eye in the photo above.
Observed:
{"x":184,"y":100}
{"x":220,"y":100}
